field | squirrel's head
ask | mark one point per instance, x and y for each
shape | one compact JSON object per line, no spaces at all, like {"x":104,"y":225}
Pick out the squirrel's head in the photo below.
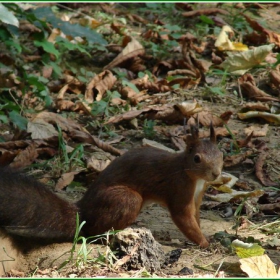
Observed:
{"x":204,"y":159}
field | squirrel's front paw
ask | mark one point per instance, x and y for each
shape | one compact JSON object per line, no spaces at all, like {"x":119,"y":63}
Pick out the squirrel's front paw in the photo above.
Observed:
{"x":204,"y":243}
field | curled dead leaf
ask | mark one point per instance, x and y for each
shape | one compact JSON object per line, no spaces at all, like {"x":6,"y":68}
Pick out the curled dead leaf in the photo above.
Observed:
{"x":273,"y":37}
{"x":98,"y":86}
{"x":256,"y":131}
{"x":260,"y":173}
{"x":272,"y":118}
{"x":245,"y":142}
{"x":152,"y":86}
{"x":25,"y":157}
{"x":223,"y":42}
{"x":133,"y":96}
{"x":65,"y":180}
{"x":275,"y":78}
{"x":249,"y":88}
{"x":255,"y":106}
{"x":209,"y":11}
{"x":132,"y":49}
{"x":205,"y":118}
{"x":75,"y":131}
{"x":233,"y":160}
{"x":189,"y":108}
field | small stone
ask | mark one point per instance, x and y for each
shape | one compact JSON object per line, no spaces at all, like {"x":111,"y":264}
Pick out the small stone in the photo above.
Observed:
{"x":186,"y":271}
{"x":136,"y":248}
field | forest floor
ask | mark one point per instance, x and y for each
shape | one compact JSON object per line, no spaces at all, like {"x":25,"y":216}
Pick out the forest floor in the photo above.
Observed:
{"x":137,"y":90}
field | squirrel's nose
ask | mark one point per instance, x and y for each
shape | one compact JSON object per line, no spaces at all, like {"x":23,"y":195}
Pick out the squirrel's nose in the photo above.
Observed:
{"x":216,"y":173}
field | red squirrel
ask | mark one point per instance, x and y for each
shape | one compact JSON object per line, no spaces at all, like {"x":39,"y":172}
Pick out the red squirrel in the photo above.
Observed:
{"x":115,"y":198}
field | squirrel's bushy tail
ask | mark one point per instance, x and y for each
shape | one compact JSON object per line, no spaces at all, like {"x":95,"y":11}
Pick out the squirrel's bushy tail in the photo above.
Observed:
{"x":29,"y":209}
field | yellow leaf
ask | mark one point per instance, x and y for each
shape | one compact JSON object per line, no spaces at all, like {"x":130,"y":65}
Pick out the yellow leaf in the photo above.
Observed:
{"x":224,"y":189}
{"x":246,"y":250}
{"x":257,"y":267}
{"x":238,"y":46}
{"x":223,"y":43}
{"x":239,"y":63}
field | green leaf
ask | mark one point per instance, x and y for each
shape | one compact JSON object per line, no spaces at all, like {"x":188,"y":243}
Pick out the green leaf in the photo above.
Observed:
{"x":98,"y":107}
{"x":3,"y":119}
{"x":206,"y":19}
{"x":131,"y":85}
{"x":75,"y":30}
{"x":114,"y":94}
{"x":8,"y":17}
{"x":56,"y":68}
{"x":247,"y":250}
{"x":4,"y":34}
{"x":14,"y":44}
{"x":70,"y":46}
{"x":172,"y":27}
{"x":216,"y":90}
{"x":34,"y":80}
{"x":48,"y":47}
{"x":18,"y":120}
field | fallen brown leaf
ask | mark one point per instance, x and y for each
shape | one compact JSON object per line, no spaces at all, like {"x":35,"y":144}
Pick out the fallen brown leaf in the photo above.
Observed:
{"x":216,"y":59}
{"x":249,"y":88}
{"x":7,"y":156}
{"x":74,"y":85}
{"x":255,"y":106}
{"x":275,"y":78}
{"x":25,"y":157}
{"x":97,"y":163}
{"x":209,"y":11}
{"x":272,"y":118}
{"x":65,"y":180}
{"x":260,"y":173}
{"x":244,"y":142}
{"x":270,"y":208}
{"x":233,"y":160}
{"x":219,"y":131}
{"x":273,"y":37}
{"x":132,"y":49}
{"x":75,"y":131}
{"x":98,"y":86}
{"x":151,"y":86}
{"x":133,"y":96}
{"x":256,"y":131}
{"x":205,"y":118}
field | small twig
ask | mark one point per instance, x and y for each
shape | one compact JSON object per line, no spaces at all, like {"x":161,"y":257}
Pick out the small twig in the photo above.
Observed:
{"x":240,"y":92}
{"x":220,"y":265}
{"x":21,"y":109}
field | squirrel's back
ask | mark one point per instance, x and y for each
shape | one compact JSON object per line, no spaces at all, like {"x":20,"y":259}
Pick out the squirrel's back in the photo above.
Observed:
{"x":29,"y":209}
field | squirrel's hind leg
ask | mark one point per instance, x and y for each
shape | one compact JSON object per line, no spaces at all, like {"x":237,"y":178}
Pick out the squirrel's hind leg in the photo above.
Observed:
{"x":114,"y":207}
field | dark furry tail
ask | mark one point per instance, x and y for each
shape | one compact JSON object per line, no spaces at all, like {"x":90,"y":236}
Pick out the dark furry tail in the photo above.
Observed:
{"x":29,"y":209}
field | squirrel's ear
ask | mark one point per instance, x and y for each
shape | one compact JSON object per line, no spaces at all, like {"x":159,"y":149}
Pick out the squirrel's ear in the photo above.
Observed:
{"x":193,"y":137}
{"x":212,"y":133}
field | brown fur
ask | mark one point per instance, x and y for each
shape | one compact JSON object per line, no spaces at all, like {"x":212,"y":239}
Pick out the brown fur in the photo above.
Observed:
{"x":29,"y":209}
{"x":115,"y":199}
{"x":117,"y":196}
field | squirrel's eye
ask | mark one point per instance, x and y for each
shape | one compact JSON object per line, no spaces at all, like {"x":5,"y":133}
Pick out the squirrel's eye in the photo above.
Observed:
{"x":197,"y":158}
